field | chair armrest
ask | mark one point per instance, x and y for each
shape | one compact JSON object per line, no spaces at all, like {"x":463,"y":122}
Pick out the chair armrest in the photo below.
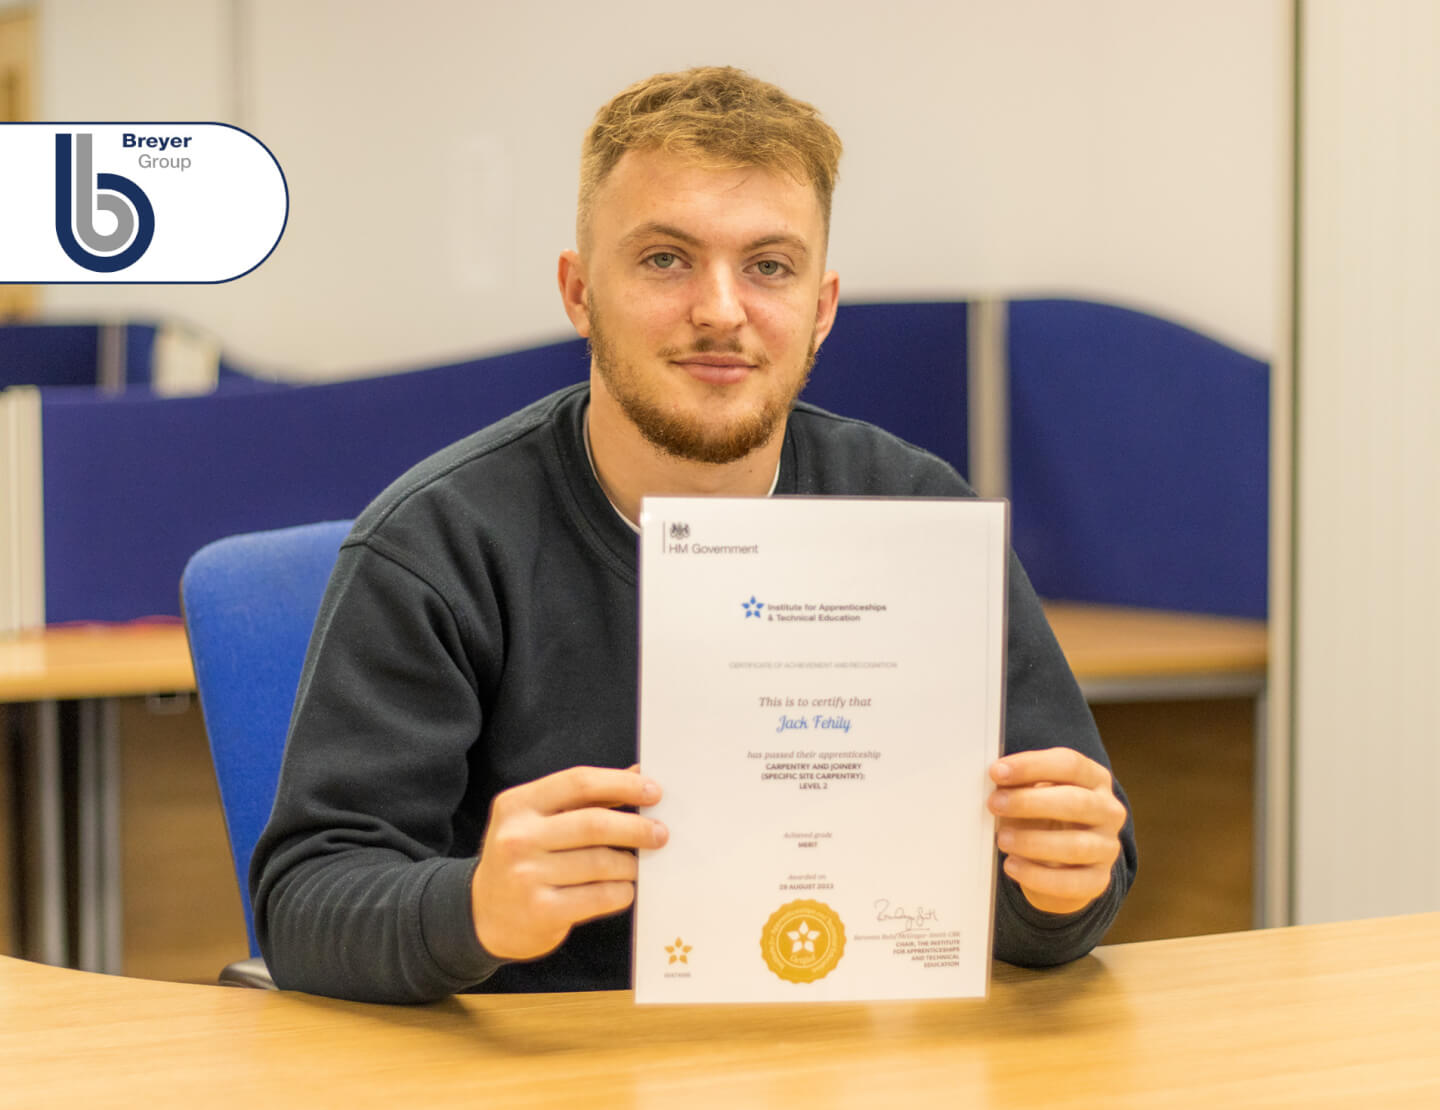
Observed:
{"x":248,"y":973}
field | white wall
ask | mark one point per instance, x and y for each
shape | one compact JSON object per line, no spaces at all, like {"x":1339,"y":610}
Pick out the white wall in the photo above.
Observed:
{"x":1123,"y":149}
{"x":1367,"y":604}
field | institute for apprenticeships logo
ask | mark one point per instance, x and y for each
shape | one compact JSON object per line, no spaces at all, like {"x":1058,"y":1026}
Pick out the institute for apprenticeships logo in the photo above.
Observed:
{"x":136,"y":202}
{"x":807,"y":612}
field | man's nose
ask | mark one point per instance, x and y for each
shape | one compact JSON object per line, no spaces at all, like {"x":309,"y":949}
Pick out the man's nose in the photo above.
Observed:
{"x":719,"y":304}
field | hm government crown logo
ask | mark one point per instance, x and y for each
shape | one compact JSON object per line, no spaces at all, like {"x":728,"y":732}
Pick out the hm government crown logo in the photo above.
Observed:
{"x":80,"y":193}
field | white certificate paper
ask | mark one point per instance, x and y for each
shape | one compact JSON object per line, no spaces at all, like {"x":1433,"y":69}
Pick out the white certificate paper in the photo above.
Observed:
{"x":821,"y":694}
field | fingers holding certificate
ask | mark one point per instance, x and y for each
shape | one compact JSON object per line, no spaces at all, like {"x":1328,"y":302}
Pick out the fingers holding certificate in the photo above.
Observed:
{"x":558,"y":852}
{"x":1059,"y":826}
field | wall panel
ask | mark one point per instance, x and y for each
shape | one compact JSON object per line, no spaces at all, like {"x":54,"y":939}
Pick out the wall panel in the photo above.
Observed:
{"x":1367,"y":654}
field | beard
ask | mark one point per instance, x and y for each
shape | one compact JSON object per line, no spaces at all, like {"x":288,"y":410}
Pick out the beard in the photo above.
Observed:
{"x":692,"y":438}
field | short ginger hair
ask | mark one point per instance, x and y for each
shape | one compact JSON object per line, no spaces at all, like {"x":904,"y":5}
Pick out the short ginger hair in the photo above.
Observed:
{"x":720,"y":117}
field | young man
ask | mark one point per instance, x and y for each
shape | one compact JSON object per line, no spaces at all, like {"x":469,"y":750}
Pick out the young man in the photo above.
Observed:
{"x":455,"y":806}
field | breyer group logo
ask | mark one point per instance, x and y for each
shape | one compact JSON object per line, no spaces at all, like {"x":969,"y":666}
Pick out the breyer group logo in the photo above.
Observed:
{"x":136,"y":202}
{"x":80,"y":193}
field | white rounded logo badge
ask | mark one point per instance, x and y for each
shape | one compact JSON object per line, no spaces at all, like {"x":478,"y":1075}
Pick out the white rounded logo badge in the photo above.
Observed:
{"x":136,"y":202}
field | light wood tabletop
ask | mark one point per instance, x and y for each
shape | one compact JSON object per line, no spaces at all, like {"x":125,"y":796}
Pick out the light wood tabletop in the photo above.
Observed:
{"x":1100,"y":641}
{"x":1109,"y":641}
{"x":95,"y":661}
{"x":1341,"y":1015}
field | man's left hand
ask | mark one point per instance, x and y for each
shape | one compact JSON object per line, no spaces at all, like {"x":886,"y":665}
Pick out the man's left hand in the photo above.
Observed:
{"x":1059,"y":826}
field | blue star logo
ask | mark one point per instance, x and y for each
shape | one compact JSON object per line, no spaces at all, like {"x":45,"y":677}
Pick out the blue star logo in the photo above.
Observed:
{"x":753,"y":607}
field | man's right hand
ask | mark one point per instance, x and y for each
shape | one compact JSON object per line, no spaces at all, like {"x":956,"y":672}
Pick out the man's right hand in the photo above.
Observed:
{"x":555,"y":854}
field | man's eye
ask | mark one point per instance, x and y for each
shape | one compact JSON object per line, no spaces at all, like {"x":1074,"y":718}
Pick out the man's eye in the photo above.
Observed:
{"x":663,"y":260}
{"x":770,"y":268}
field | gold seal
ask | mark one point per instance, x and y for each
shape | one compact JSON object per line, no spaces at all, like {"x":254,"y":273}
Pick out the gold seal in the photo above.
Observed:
{"x":803,"y":941}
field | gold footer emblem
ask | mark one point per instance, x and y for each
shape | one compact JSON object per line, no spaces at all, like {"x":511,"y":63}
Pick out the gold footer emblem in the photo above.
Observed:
{"x":803,"y":941}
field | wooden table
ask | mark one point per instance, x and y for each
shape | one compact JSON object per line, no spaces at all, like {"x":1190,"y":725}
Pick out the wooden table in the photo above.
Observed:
{"x":1116,"y":654}
{"x":1122,"y":654}
{"x":1344,"y":1015}
{"x":88,"y":665}
{"x":1104,"y":643}
{"x":1131,"y":655}
{"x":95,"y":661}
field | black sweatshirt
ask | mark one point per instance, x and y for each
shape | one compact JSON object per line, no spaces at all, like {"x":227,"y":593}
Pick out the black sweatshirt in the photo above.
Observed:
{"x":479,"y":632}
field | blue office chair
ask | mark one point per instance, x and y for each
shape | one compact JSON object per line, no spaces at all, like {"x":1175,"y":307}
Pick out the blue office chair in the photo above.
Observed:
{"x":249,"y":603}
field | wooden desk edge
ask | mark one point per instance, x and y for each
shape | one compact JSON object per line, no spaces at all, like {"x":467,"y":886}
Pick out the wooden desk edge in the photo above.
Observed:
{"x":1102,"y":643}
{"x":1265,"y":1017}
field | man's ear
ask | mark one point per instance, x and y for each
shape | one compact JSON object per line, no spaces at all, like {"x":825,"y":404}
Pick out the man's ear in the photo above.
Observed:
{"x":826,"y":305}
{"x":573,"y":285}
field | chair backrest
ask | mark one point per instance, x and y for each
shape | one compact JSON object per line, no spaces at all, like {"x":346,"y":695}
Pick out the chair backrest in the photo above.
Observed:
{"x":250,"y":603}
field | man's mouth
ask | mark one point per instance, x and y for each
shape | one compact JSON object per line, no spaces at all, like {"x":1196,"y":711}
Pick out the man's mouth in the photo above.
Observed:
{"x":715,"y":369}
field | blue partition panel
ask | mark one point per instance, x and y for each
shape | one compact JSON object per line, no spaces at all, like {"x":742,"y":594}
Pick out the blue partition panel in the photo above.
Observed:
{"x":139,"y":354}
{"x":48,"y":354}
{"x":230,"y":374}
{"x":136,"y":484}
{"x":903,"y":367}
{"x":1139,"y":460}
{"x":68,"y":354}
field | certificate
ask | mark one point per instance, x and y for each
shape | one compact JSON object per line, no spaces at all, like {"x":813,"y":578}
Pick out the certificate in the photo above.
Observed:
{"x":821,"y":695}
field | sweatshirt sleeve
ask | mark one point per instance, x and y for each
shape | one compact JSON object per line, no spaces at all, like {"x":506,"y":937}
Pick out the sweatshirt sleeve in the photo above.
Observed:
{"x":357,"y":888}
{"x":1043,"y":709}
